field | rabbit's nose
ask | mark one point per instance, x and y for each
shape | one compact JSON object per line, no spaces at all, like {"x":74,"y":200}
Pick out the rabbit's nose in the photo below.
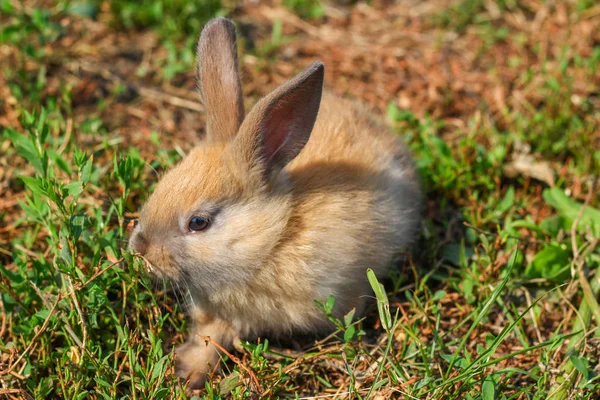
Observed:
{"x":138,"y":242}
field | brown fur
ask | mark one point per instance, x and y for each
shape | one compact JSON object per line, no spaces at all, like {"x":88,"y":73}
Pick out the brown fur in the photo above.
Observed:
{"x":299,"y":212}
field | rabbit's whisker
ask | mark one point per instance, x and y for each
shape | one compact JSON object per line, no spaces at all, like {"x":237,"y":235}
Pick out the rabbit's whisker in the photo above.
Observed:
{"x":176,"y":291}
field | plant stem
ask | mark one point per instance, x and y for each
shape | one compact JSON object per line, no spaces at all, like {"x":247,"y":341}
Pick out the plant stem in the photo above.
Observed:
{"x":561,"y":388}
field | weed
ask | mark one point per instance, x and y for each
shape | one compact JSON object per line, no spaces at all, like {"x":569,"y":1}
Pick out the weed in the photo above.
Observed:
{"x":305,"y":8}
{"x":173,"y":19}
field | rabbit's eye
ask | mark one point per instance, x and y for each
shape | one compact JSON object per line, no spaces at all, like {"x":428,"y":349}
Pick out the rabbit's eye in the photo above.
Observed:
{"x":198,"y":224}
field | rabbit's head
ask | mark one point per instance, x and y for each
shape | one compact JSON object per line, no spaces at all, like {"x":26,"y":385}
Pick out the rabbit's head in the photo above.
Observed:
{"x":215,"y":217}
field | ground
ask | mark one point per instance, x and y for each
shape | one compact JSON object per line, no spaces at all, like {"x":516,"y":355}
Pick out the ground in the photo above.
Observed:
{"x":498,"y":101}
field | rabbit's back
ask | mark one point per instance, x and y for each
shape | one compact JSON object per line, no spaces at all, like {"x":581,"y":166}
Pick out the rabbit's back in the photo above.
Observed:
{"x":347,"y":132}
{"x":353,"y":157}
{"x":356,"y":198}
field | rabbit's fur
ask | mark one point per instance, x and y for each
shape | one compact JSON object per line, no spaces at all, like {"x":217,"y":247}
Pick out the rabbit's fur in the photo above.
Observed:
{"x":293,"y":220}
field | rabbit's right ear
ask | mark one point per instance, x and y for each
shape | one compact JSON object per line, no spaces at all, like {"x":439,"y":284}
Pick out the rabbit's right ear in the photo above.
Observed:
{"x":219,"y":80}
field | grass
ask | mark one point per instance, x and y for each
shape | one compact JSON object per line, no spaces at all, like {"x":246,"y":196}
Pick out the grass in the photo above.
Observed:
{"x":499,"y":300}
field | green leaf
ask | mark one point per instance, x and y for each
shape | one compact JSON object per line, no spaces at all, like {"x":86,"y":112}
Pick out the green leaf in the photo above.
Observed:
{"x":443,"y":149}
{"x":552,"y":262}
{"x":74,"y":189}
{"x":571,"y":208}
{"x":459,"y":361}
{"x":581,"y":365}
{"x":489,"y":340}
{"x":77,"y":224}
{"x":468,"y":285}
{"x":87,"y":9}
{"x":349,"y":333}
{"x":329,"y":303}
{"x":35,"y":185}
{"x":86,"y":170}
{"x":43,"y":314}
{"x":521,"y":223}
{"x":439,"y":295}
{"x":380,"y":383}
{"x":507,"y":202}
{"x":158,"y":368}
{"x":480,"y":349}
{"x":487,"y":389}
{"x":42,"y":127}
{"x":62,"y":163}
{"x":65,"y":251}
{"x":83,"y":395}
{"x":161,"y":393}
{"x":6,"y":7}
{"x":553,"y":224}
{"x":398,"y":115}
{"x":102,"y":382}
{"x":383,"y":305}
{"x":26,"y":149}
{"x":458,"y":254}
{"x":276,"y":33}
{"x":348,"y":317}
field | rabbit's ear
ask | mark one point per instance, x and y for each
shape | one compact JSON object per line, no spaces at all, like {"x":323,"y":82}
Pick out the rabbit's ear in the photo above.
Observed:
{"x":219,"y":80}
{"x":279,"y":125}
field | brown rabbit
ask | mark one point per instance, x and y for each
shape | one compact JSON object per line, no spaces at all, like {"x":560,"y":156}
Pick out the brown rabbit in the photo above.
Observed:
{"x":276,"y":209}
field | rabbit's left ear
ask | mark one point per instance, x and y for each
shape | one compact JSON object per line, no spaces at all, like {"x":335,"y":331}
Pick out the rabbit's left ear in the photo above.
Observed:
{"x":219,"y":79}
{"x":279,"y":125}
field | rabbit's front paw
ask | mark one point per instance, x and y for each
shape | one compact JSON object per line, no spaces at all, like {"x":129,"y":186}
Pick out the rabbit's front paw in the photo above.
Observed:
{"x":194,"y":362}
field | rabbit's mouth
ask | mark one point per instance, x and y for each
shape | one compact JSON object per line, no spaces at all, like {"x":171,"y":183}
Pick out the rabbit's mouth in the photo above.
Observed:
{"x":150,"y":269}
{"x":161,"y":270}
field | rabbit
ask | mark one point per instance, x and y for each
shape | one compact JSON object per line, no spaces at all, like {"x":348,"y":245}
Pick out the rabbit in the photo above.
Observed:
{"x":275,"y":209}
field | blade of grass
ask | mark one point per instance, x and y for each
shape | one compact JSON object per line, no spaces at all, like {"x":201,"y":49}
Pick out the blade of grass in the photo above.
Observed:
{"x":492,"y":348}
{"x":385,"y":354}
{"x":483,"y":312}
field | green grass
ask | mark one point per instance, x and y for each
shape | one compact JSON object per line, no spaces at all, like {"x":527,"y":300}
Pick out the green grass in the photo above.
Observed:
{"x":305,"y":8}
{"x":499,"y":299}
{"x":177,"y":23}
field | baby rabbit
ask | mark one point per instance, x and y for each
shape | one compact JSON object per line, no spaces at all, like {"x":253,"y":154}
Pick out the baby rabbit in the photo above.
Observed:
{"x":275,"y":209}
